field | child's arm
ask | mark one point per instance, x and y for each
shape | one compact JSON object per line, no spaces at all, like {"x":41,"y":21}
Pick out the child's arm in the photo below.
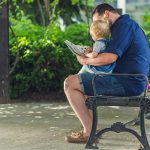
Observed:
{"x":91,"y":55}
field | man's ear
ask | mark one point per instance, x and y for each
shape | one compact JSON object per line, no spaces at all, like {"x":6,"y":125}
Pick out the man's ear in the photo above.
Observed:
{"x":106,"y":14}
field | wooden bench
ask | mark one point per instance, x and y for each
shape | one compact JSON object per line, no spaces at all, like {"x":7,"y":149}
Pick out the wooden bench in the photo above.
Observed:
{"x":142,"y":101}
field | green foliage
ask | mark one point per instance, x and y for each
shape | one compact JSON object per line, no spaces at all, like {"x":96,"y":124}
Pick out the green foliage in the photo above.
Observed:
{"x":44,"y":59}
{"x":2,"y":3}
{"x":146,"y":24}
{"x":77,"y":33}
{"x":109,"y":1}
{"x":44,"y":12}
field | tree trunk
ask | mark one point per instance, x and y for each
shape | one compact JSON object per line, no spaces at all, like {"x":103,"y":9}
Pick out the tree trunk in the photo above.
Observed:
{"x":4,"y":69}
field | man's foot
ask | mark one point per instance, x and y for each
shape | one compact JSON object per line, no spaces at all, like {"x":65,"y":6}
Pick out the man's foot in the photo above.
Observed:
{"x":77,"y":137}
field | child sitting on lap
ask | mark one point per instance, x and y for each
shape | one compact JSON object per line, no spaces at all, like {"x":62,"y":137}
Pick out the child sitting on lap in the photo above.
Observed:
{"x":99,"y":31}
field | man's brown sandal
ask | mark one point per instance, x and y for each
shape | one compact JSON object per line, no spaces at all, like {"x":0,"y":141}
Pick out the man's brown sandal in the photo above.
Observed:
{"x":77,"y":137}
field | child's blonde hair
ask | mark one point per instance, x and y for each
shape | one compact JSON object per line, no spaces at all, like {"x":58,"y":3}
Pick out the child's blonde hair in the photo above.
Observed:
{"x":100,"y":28}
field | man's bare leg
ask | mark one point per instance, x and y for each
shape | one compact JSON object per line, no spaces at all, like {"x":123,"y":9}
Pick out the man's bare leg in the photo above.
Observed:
{"x":77,"y":101}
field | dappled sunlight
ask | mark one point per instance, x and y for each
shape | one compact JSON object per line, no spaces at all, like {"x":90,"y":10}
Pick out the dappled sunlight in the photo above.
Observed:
{"x":32,"y":113}
{"x":70,"y":114}
{"x":3,"y":116}
{"x":60,"y":107}
{"x":2,"y":108}
{"x":35,"y":112}
{"x":8,"y":112}
{"x":10,"y":107}
{"x":35,"y":107}
{"x":38,"y":112}
{"x":37,"y":117}
{"x":115,"y":107}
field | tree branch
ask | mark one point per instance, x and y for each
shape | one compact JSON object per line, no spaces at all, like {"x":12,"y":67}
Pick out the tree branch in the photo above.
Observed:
{"x":41,"y":12}
{"x":18,"y":52}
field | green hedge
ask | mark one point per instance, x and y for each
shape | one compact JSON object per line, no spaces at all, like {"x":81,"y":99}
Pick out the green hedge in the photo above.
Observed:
{"x":44,"y":60}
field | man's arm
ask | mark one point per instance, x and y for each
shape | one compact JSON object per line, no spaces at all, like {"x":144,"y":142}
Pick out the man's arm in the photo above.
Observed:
{"x":100,"y":60}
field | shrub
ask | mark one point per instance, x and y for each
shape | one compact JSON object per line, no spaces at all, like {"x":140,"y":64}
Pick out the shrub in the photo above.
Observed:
{"x":44,"y":59}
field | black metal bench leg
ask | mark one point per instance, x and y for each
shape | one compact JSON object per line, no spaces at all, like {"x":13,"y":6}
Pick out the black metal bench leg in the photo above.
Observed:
{"x":92,"y":138}
{"x":143,"y":132}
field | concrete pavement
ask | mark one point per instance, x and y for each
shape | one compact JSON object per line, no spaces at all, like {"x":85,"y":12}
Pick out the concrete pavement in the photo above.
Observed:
{"x":43,"y":126}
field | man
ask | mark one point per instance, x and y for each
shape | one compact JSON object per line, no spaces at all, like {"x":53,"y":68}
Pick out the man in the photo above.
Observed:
{"x":129,"y":48}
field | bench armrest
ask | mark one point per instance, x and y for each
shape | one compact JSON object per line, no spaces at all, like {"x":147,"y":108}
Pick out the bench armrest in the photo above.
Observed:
{"x":119,"y":74}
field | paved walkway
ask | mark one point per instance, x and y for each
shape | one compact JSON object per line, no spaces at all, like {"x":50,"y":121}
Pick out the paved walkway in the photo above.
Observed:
{"x":43,"y":126}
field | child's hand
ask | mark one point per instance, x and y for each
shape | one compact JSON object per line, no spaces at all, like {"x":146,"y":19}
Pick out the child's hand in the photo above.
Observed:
{"x":82,"y":55}
{"x":88,"y":50}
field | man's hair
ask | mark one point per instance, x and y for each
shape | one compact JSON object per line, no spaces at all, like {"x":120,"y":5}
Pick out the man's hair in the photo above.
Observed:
{"x":100,"y":29}
{"x":101,"y":8}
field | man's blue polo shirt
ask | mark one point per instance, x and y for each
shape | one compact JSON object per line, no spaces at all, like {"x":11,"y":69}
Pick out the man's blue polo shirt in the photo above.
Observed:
{"x":128,"y":41}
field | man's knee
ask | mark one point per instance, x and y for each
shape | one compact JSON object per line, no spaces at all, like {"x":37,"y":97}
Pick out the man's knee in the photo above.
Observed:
{"x":70,"y":82}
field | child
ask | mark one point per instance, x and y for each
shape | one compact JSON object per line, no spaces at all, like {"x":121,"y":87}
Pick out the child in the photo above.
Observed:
{"x":99,"y":30}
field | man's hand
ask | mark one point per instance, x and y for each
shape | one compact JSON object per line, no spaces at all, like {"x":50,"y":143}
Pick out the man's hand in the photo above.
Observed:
{"x":100,"y":60}
{"x":81,"y":60}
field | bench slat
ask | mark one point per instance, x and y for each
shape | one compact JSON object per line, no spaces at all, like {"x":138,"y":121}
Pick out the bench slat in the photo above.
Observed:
{"x":133,"y":101}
